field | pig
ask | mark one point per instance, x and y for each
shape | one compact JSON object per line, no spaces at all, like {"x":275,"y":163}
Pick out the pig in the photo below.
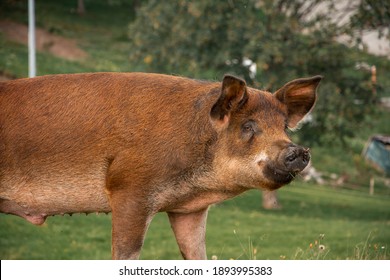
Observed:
{"x":135,"y":144}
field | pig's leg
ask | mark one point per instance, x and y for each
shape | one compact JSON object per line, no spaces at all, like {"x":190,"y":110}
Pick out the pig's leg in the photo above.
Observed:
{"x":190,"y":232}
{"x":130,"y":221}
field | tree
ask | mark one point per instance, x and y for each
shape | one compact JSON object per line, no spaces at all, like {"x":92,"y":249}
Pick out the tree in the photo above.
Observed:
{"x":372,"y":15}
{"x":286,"y":40}
{"x":188,"y":37}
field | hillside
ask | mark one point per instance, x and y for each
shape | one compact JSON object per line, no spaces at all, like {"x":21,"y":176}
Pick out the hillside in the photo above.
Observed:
{"x":67,"y":42}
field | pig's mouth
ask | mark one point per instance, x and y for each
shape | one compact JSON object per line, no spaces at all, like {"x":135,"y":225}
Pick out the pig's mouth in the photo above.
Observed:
{"x":279,"y":176}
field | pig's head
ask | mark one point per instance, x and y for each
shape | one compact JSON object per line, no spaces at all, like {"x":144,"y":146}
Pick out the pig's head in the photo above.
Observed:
{"x":254,"y":149}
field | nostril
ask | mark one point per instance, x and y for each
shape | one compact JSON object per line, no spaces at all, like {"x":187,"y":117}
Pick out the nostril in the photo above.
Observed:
{"x":297,"y":158}
{"x":291,"y":157}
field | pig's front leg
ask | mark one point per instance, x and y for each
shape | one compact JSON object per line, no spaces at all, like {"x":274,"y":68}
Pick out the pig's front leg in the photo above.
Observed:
{"x":130,"y":221}
{"x":190,"y":233}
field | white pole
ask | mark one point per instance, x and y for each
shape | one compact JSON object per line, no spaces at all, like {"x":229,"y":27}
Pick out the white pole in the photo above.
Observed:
{"x":31,"y":40}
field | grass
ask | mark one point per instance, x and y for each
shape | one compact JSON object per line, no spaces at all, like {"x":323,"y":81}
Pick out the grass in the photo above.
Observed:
{"x":102,"y":32}
{"x":345,"y":220}
{"x":348,"y":223}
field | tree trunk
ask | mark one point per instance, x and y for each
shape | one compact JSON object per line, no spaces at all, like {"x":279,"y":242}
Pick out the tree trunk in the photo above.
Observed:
{"x":80,"y":7}
{"x":270,"y":200}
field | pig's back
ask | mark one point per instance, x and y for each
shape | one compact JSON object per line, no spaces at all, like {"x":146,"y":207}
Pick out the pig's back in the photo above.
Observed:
{"x":59,"y":133}
{"x":65,"y":113}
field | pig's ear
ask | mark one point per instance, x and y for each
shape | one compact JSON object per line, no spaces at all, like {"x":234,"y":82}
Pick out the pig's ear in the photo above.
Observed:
{"x":233,"y":96}
{"x":299,"y":96}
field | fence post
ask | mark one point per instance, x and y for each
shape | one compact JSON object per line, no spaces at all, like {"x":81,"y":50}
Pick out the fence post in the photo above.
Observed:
{"x":372,"y":183}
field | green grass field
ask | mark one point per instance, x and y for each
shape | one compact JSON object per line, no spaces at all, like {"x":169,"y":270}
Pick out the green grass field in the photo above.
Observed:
{"x":346,"y":221}
{"x":349,"y":224}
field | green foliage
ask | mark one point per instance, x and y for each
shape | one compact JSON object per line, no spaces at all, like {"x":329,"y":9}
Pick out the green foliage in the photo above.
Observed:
{"x":193,"y":38}
{"x":373,"y":15}
{"x":205,"y":39}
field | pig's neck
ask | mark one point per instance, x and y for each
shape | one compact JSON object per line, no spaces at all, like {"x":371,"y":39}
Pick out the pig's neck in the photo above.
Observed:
{"x":202,"y":190}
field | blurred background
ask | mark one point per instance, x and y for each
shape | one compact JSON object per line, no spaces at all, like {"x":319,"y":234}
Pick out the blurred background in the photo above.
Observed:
{"x":338,"y":209}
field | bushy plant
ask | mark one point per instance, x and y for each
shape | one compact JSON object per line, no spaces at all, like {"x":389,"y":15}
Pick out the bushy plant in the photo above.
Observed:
{"x":285,"y":39}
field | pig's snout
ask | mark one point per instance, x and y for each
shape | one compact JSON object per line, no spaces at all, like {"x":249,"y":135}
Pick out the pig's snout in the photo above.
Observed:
{"x":296,"y":158}
{"x":291,"y":160}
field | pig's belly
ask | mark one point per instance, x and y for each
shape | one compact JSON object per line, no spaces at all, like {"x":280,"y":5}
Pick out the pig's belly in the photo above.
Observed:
{"x":35,"y":198}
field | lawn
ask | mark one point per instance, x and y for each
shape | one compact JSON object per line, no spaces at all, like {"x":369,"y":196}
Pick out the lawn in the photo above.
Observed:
{"x":350,"y":224}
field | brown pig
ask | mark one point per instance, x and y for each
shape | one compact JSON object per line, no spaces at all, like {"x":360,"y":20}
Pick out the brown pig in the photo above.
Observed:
{"x":135,"y":144}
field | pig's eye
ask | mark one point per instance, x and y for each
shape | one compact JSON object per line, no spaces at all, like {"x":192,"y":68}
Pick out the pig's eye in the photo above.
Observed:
{"x":249,"y":129}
